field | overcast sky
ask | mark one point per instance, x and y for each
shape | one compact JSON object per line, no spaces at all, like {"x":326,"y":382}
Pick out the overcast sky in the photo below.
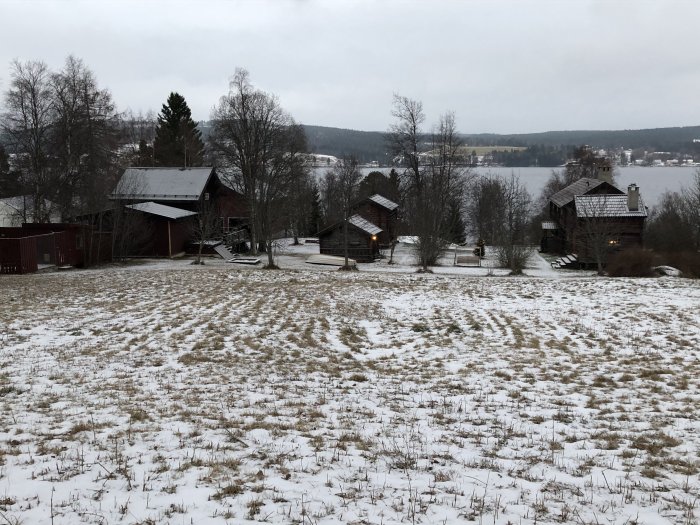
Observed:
{"x":505,"y":66}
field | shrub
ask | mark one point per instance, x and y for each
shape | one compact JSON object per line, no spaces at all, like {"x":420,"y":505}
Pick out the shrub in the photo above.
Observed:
{"x":632,"y":262}
{"x":514,"y":256}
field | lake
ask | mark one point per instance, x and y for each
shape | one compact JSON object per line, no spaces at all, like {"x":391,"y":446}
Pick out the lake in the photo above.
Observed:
{"x":652,"y":181}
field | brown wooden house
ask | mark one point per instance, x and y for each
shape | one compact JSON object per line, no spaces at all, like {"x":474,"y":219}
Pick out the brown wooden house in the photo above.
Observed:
{"x":590,"y":212}
{"x":363,"y":239}
{"x":381,"y":212}
{"x":371,"y":227}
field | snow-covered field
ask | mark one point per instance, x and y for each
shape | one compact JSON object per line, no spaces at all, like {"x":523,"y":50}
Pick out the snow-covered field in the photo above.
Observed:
{"x":168,"y":393}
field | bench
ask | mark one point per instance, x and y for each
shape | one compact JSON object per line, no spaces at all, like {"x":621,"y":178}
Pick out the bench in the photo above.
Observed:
{"x":467,"y":260}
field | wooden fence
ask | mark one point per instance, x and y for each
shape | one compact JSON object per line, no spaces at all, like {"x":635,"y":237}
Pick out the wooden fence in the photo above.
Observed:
{"x":20,"y":255}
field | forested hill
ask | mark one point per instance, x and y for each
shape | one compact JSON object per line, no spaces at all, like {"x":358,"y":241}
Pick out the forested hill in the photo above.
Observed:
{"x":655,"y":139}
{"x":367,"y":146}
{"x":371,"y":145}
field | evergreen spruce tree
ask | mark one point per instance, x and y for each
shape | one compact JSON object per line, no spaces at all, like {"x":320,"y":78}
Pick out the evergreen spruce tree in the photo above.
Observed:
{"x":315,"y":217}
{"x":456,"y":224}
{"x":178,"y":142}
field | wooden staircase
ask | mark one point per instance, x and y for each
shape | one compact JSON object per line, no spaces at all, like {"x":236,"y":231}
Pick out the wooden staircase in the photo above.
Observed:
{"x":568,"y":261}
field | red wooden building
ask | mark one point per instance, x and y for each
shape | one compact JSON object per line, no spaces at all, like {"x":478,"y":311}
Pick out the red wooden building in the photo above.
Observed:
{"x":169,"y":199}
{"x":37,"y":246}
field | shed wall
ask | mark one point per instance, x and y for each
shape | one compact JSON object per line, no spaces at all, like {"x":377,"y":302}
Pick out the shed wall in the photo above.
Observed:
{"x":360,"y":244}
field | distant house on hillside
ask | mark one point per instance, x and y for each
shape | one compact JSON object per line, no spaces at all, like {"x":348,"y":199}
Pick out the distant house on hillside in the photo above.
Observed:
{"x":591,"y":211}
{"x":15,"y":211}
{"x":371,"y":227}
{"x":167,"y":199}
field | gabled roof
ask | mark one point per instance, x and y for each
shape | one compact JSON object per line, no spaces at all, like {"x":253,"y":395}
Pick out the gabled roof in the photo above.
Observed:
{"x":357,"y":221}
{"x":383,"y":202}
{"x":607,"y":206}
{"x":161,"y":210}
{"x":162,"y":184}
{"x":580,"y":187}
{"x":364,"y":225}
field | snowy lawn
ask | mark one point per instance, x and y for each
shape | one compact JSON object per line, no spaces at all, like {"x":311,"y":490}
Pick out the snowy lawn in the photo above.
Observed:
{"x":176,"y":394}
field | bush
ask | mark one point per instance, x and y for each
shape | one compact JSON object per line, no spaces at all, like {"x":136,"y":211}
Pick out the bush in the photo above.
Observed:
{"x":632,"y":262}
{"x":514,"y":256}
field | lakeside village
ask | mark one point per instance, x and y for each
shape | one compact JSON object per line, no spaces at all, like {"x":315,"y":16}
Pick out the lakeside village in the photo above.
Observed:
{"x":483,"y":156}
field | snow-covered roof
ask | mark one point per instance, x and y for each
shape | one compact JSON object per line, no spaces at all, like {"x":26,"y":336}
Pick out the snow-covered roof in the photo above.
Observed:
{"x":364,"y":225}
{"x":384,"y":202}
{"x":161,"y":210}
{"x":176,"y":184}
{"x":580,"y":187}
{"x":21,"y":202}
{"x":607,"y":206}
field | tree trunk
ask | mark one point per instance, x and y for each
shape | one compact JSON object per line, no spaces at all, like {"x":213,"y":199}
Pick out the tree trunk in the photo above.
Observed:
{"x":199,"y":253}
{"x":270,"y":259}
{"x":253,"y":231}
{"x":345,"y":239}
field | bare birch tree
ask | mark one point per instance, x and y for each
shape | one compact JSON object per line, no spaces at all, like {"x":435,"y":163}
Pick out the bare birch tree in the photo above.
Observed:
{"x":62,"y":129}
{"x":27,"y":124}
{"x":83,"y":139}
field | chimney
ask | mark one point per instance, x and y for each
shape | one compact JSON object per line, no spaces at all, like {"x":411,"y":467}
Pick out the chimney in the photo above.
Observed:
{"x":604,"y":173}
{"x":633,"y":197}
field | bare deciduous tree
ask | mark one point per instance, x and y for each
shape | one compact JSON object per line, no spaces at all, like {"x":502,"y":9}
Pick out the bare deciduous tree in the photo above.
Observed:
{"x":300,"y":205}
{"x":347,"y":177}
{"x":205,"y":225}
{"x":435,"y":177}
{"x":499,"y":213}
{"x":691,"y":197}
{"x":27,"y":124}
{"x":513,"y":249}
{"x":63,"y":131}
{"x":83,"y":139}
{"x":259,"y":147}
{"x":485,"y":208}
{"x":130,"y":230}
{"x":139,"y":133}
{"x":599,"y":230}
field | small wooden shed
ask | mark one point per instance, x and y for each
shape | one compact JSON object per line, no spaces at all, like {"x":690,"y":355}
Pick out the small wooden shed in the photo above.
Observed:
{"x":171,"y":226}
{"x":363,"y":239}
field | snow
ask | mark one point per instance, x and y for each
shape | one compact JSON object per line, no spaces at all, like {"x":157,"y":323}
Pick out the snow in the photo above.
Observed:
{"x":163,"y":392}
